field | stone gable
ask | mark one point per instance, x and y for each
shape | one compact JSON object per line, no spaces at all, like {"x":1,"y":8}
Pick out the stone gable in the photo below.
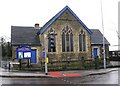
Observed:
{"x":67,"y":19}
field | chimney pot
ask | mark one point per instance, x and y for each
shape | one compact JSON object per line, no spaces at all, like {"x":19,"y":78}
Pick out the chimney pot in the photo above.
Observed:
{"x":37,"y":26}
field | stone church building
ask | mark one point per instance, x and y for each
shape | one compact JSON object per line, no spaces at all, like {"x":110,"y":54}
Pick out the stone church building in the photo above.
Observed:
{"x":67,"y":38}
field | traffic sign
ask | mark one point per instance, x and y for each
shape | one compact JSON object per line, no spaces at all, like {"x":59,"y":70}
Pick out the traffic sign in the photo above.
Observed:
{"x":46,"y":59}
{"x":44,"y":54}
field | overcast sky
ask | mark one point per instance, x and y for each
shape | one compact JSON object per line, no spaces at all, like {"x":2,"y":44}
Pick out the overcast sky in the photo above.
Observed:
{"x":29,"y":12}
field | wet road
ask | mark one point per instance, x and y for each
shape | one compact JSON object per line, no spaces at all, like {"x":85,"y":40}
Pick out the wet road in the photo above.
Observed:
{"x":109,"y":78}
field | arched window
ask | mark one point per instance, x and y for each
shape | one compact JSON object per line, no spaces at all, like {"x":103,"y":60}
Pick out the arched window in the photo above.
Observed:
{"x":67,"y":39}
{"x":82,"y":41}
{"x":63,"y":42}
{"x":71,"y":41}
{"x":51,"y":40}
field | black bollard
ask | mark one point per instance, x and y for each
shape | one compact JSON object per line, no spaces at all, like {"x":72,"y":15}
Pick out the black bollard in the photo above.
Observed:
{"x":9,"y":66}
{"x":28,"y":65}
{"x":20,"y":64}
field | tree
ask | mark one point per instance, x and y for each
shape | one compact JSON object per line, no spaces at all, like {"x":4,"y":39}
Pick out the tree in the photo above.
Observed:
{"x":6,"y":49}
{"x":2,"y":41}
{"x":9,"y":50}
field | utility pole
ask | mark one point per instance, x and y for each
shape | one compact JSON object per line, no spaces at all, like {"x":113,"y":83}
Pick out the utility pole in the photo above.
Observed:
{"x":103,"y":37}
{"x":118,"y":35}
{"x":46,"y":69}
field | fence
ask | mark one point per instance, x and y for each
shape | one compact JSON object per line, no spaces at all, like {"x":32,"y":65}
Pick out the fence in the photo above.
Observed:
{"x":61,"y":65}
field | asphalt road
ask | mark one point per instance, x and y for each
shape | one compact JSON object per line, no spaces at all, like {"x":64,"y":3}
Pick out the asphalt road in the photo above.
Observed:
{"x":109,"y":79}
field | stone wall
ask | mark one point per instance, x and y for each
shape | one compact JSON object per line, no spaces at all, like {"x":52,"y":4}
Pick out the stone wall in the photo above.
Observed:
{"x":67,"y":19}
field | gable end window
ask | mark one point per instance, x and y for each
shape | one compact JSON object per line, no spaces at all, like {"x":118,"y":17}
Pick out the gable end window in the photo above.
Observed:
{"x":67,"y":39}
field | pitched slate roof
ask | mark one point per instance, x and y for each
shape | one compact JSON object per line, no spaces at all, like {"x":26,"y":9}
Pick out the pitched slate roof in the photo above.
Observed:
{"x":97,"y":38}
{"x":28,"y":36}
{"x":58,"y":15}
{"x":24,"y":36}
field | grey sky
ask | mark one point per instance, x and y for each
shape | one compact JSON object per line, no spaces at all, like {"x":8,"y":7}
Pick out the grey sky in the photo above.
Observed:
{"x":29,"y":12}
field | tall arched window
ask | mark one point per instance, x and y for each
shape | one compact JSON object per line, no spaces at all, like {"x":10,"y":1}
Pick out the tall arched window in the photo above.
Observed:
{"x":67,"y":39}
{"x":71,"y":41}
{"x":82,"y":41}
{"x":51,"y":40}
{"x":63,"y":42}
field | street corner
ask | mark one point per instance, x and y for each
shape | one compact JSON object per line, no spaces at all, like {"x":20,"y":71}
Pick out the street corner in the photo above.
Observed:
{"x":59,"y":74}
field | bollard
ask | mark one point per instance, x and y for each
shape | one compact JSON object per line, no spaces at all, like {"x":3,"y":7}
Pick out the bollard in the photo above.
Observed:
{"x":28,"y":65}
{"x":20,"y":64}
{"x":9,"y":66}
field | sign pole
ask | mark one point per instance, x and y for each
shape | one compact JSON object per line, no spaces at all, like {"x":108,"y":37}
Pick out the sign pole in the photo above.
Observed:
{"x":46,"y":69}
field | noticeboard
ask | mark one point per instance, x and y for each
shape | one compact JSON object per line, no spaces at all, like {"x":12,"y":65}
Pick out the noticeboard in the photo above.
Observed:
{"x":23,"y":52}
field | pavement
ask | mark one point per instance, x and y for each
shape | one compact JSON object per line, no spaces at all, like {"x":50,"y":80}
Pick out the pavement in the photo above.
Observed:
{"x":36,"y":74}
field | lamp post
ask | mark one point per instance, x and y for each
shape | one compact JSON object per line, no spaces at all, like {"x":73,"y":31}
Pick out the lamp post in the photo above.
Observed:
{"x":103,"y":37}
{"x":46,"y":69}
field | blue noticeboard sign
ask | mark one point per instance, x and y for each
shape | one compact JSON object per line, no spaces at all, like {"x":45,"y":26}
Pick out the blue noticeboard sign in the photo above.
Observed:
{"x":23,"y":52}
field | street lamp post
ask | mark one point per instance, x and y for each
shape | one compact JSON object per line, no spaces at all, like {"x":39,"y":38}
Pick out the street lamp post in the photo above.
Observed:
{"x":46,"y":69}
{"x":103,"y":37}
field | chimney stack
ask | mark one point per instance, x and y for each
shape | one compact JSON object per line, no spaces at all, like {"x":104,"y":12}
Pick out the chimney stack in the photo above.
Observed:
{"x":37,"y":26}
